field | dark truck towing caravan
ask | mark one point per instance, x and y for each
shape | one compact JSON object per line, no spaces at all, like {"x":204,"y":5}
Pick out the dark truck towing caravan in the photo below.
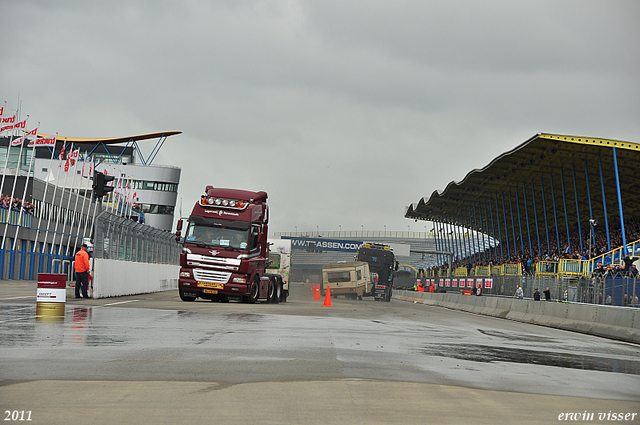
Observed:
{"x":381,"y":261}
{"x":225,"y":251}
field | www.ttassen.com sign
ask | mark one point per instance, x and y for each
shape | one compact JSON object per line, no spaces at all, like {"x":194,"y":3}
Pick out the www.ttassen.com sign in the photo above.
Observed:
{"x":325,"y":244}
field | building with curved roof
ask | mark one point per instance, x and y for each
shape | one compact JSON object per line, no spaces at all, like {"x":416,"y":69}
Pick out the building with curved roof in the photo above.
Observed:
{"x":552,"y":193}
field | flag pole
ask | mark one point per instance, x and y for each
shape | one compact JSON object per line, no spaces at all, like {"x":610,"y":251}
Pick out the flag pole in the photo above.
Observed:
{"x":6,"y":162}
{"x":53,"y":201}
{"x":84,"y":198}
{"x":24,"y":192}
{"x":44,"y":200}
{"x":13,"y":189}
{"x":73,"y":182}
{"x":75,"y":206}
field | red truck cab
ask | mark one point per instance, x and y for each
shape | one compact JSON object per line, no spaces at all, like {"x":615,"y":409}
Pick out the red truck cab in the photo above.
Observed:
{"x":224,"y":249}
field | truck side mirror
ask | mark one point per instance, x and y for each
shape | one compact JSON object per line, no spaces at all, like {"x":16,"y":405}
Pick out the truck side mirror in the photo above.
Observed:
{"x":178,"y":230}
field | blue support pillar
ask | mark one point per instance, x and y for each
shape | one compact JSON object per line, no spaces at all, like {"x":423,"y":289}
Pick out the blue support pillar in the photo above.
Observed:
{"x":475,"y":221}
{"x":506,"y":227}
{"x":452,"y":239}
{"x":586,"y":176}
{"x":446,"y":236}
{"x":604,"y":204}
{"x":484,"y":235}
{"x":519,"y":223}
{"x":443,"y":234}
{"x":12,"y":260}
{"x":472,"y":252}
{"x":555,"y":214}
{"x":546,"y":223}
{"x":435,"y":236}
{"x":499,"y":231}
{"x":486,"y":218}
{"x":513,"y":227}
{"x":575,"y":192}
{"x":624,"y":238}
{"x":535,"y":216}
{"x":455,"y":237}
{"x":526,"y":212}
{"x":566,"y":217}
{"x":23,"y":258}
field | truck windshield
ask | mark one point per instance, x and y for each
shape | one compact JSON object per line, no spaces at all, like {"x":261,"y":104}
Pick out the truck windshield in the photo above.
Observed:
{"x":217,"y":236}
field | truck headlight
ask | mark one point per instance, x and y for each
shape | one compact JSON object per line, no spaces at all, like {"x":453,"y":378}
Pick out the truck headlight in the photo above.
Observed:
{"x":185,"y":274}
{"x":239,"y":280}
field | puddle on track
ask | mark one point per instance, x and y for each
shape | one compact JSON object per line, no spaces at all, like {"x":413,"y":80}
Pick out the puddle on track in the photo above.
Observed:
{"x":489,"y":354}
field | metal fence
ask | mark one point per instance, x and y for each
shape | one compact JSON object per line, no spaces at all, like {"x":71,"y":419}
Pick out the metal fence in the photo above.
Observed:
{"x":119,"y":238}
{"x":614,"y":290}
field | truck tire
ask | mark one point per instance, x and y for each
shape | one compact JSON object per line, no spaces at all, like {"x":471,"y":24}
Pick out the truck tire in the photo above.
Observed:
{"x":271,"y":292}
{"x":388,"y":297}
{"x":277,"y":293}
{"x":253,"y":291}
{"x":185,"y":297}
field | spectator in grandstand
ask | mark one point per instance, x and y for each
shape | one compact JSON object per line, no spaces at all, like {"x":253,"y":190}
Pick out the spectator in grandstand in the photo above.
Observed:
{"x":625,"y":300}
{"x":599,"y":271}
{"x":633,"y":272}
{"x":607,"y":301}
{"x":635,"y":301}
{"x":628,"y":262}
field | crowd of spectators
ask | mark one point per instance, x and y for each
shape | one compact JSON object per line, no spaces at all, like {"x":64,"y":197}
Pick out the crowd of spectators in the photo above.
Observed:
{"x":554,"y":252}
{"x":17,"y":204}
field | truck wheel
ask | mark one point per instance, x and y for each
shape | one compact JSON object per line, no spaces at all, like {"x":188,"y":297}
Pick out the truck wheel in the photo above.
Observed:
{"x":388,"y":297}
{"x":185,"y":297}
{"x":359,"y":297}
{"x":285,"y":294}
{"x":277,"y":290}
{"x":253,"y":292}
{"x":271,"y":289}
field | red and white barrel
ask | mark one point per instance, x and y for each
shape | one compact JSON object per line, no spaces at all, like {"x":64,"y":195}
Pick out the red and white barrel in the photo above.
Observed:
{"x":51,"y":296}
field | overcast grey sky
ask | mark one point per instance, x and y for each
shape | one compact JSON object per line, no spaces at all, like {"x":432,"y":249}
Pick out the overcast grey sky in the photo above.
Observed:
{"x":345,"y":112}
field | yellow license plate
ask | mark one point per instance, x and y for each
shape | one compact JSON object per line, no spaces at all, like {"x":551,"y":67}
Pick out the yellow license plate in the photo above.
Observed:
{"x":211,"y":285}
{"x":210,"y":291}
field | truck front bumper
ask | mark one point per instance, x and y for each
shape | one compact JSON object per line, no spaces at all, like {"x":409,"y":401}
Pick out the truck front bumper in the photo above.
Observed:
{"x":186,"y":282}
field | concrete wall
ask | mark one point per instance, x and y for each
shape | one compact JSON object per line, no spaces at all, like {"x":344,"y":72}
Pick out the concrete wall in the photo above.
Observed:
{"x":112,"y":278}
{"x":622,"y":323}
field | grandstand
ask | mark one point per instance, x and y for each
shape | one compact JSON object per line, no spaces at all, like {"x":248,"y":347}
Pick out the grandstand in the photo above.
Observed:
{"x":556,"y":206}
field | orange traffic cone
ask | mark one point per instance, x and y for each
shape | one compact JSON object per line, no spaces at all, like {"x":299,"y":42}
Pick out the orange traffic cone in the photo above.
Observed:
{"x":327,"y":298}
{"x":316,"y":293}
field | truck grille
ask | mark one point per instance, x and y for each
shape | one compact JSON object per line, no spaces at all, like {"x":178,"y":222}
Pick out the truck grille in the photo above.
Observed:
{"x":211,"y":276}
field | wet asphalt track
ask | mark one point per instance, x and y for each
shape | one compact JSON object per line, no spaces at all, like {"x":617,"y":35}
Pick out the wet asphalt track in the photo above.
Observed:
{"x":300,"y":362}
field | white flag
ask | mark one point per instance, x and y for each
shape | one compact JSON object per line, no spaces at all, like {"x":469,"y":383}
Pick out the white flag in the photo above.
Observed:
{"x":5,"y":128}
{"x":42,"y":142}
{"x":8,"y":120}
{"x":33,"y":133}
